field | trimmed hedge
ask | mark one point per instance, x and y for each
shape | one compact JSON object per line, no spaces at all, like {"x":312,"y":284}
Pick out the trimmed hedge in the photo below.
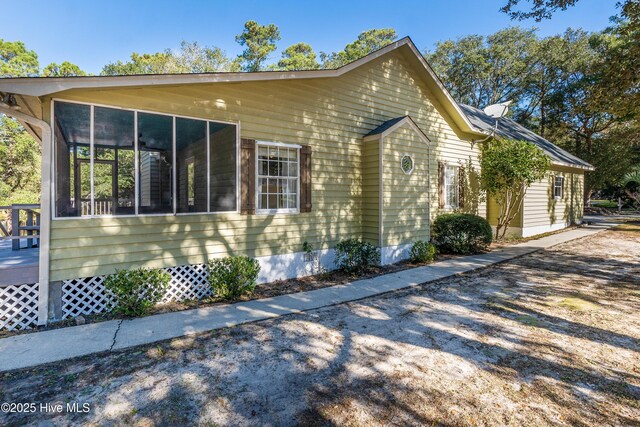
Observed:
{"x":137,"y":291}
{"x":460,"y":233}
{"x":422,"y":251}
{"x":233,"y":276}
{"x":352,"y":255}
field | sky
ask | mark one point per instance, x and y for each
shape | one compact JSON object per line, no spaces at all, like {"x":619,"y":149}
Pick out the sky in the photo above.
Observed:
{"x":94,"y":33}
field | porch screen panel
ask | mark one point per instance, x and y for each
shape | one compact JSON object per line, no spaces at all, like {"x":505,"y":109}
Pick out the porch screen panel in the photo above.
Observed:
{"x":72,"y":133}
{"x":223,"y":167}
{"x":191,"y":165}
{"x":113,"y":162}
{"x":155,"y":152}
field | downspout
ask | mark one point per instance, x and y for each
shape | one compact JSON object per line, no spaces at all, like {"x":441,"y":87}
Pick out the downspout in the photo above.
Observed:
{"x":45,"y":210}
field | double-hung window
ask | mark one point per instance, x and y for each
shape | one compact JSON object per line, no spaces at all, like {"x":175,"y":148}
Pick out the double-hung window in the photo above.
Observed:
{"x":278,"y":175}
{"x":558,"y":187}
{"x":451,"y":196}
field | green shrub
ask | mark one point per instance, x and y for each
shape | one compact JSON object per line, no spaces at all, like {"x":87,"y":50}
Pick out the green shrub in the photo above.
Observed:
{"x":352,"y":255}
{"x":461,"y":233}
{"x":422,"y":251}
{"x":136,"y":291}
{"x":233,"y":276}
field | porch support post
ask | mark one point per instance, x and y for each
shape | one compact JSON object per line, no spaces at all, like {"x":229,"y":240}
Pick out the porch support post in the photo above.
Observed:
{"x":45,"y":209}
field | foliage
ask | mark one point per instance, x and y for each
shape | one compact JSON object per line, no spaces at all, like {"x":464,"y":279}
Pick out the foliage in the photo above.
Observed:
{"x":19,"y":164}
{"x":631,"y":186}
{"x":460,"y":233}
{"x":16,"y":60}
{"x":422,"y":251}
{"x":544,"y":9}
{"x":137,"y":291}
{"x":299,"y":56}
{"x":508,"y":168}
{"x":232,"y":277}
{"x":367,"y":42}
{"x":259,"y":41}
{"x":480,"y":71}
{"x":190,"y":58}
{"x":353,"y":255}
{"x":587,"y":102}
{"x":65,"y":69}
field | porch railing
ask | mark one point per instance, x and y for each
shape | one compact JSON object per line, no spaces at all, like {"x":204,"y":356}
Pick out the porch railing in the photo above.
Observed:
{"x":19,"y":222}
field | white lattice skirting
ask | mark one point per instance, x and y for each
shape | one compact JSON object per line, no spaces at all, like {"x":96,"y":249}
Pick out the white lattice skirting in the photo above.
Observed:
{"x":19,"y":307}
{"x":88,"y":296}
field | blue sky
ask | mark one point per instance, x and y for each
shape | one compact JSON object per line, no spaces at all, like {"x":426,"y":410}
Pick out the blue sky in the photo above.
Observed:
{"x":94,"y":33}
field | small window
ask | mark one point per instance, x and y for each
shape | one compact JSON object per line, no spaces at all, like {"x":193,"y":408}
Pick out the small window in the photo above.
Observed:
{"x":278,"y":178}
{"x":451,"y":187}
{"x":558,"y":187}
{"x":406,"y":163}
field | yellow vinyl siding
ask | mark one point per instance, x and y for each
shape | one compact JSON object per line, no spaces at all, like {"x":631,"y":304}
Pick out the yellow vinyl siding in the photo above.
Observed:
{"x":493,"y":211}
{"x":405,"y":211}
{"x":330,"y":115}
{"x":371,"y":192}
{"x":542,"y":209}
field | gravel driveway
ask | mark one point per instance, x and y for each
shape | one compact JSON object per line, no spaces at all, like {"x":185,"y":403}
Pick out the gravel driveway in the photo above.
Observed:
{"x":549,"y":338}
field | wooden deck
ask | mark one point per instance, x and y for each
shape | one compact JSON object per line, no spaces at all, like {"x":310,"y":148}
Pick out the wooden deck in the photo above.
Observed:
{"x":18,"y":267}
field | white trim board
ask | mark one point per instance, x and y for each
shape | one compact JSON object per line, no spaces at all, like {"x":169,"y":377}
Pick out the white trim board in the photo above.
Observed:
{"x":393,"y":254}
{"x":541,"y":229}
{"x":293,"y":265}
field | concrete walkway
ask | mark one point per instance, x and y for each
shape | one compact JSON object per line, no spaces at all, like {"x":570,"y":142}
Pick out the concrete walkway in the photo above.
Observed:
{"x":33,"y":349}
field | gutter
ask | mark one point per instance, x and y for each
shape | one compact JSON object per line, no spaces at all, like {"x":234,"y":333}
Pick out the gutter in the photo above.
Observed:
{"x":45,"y":210}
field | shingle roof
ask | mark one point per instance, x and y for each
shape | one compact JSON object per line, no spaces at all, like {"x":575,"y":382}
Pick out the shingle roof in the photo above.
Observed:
{"x":508,"y":128}
{"x":386,"y":125}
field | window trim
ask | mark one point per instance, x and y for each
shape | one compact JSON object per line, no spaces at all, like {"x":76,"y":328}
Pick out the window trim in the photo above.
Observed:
{"x":413,"y":164}
{"x":456,"y":187}
{"x":54,"y":180}
{"x":297,"y":147}
{"x":555,"y":180}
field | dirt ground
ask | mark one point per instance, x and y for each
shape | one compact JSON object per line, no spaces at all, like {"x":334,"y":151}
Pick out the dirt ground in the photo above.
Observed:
{"x":552,"y":338}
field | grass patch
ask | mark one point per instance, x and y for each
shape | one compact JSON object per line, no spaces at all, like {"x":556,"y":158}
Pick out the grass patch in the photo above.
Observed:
{"x":576,"y":304}
{"x":525,"y":319}
{"x":631,"y":226}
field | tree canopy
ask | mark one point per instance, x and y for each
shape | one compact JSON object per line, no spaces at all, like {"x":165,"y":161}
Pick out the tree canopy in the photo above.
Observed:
{"x":367,"y":42}
{"x":299,"y":56}
{"x":17,"y":61}
{"x":259,"y":41}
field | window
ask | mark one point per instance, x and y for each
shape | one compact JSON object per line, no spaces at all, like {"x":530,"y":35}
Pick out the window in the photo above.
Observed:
{"x":155,"y":163}
{"x":191,"y":161}
{"x":278,"y":178}
{"x":406,"y":163}
{"x":558,"y":187}
{"x":451,"y":187}
{"x":112,"y":161}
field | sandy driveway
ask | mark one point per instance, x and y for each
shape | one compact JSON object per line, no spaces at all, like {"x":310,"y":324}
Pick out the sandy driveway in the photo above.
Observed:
{"x":550,"y":338}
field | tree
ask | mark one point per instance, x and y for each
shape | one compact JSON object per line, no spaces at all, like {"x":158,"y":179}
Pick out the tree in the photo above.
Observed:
{"x":66,"y":69}
{"x":194,"y":58}
{"x":631,"y":186}
{"x":299,"y":56}
{"x":508,"y":168}
{"x":259,"y":41}
{"x":544,"y":9}
{"x":19,"y":164}
{"x":481,"y":71}
{"x":367,"y":42}
{"x":16,"y":60}
{"x":146,"y":63}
